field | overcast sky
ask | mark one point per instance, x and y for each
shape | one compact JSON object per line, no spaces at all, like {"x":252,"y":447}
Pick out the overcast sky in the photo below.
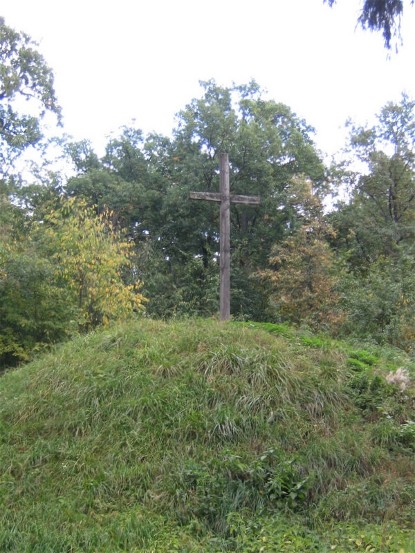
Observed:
{"x":115,"y":62}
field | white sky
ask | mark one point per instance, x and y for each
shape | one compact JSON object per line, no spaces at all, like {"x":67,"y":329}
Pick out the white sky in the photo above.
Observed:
{"x":134,"y":59}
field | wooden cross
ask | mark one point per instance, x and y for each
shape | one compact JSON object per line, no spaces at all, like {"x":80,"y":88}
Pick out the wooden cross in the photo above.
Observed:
{"x":225,"y":199}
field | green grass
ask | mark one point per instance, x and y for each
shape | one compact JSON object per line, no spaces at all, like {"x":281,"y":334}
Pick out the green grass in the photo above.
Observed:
{"x":201,"y":436}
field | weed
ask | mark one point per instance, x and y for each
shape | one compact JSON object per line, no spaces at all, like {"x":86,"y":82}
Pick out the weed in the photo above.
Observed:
{"x":364,"y":357}
{"x":315,"y":341}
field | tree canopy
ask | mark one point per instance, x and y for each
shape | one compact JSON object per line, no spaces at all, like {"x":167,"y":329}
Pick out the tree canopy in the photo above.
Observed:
{"x":26,"y":94}
{"x":146,"y":182}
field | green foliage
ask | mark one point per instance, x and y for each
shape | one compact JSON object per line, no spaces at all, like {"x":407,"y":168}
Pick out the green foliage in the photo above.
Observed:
{"x":277,"y":328}
{"x":24,"y":75}
{"x":407,"y":434}
{"x":33,"y":313}
{"x":177,"y":292}
{"x":70,"y":272}
{"x":369,"y":390}
{"x":381,"y":216}
{"x":213,"y":490}
{"x":146,"y":182}
{"x":379,"y":304}
{"x":269,"y":534}
{"x":356,"y":364}
{"x":375,"y":230}
{"x":301,"y":275}
{"x":315,"y":341}
{"x":376,"y":499}
{"x":364,"y":357}
{"x":90,"y":260}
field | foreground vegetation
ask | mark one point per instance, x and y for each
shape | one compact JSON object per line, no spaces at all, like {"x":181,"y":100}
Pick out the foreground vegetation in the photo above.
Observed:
{"x":200,"y":436}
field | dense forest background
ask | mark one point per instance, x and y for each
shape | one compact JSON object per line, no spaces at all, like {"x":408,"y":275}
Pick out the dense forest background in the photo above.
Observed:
{"x":88,"y":239}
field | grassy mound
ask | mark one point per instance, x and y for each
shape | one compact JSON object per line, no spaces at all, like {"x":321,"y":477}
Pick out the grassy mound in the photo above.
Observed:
{"x":205,"y":437}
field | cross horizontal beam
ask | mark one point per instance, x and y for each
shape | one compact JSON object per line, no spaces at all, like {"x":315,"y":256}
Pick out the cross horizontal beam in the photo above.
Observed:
{"x":217,"y":197}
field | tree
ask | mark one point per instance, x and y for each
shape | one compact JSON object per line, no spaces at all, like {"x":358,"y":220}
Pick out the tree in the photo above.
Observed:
{"x":381,"y":215}
{"x":302,"y":273}
{"x":123,"y":181}
{"x":24,"y":75}
{"x":146,"y":182}
{"x":92,"y":262}
{"x":380,"y":303}
{"x":34,"y":311}
{"x":381,"y":15}
{"x":68,"y":272}
{"x":375,"y":230}
{"x":267,"y":144}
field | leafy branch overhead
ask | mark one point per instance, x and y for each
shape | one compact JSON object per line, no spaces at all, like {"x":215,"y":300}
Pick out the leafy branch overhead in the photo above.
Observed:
{"x":381,"y":15}
{"x":26,"y":93}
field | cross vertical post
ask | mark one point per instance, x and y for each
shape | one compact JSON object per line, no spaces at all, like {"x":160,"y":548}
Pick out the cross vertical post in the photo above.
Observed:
{"x":225,"y":199}
{"x":225,"y":240}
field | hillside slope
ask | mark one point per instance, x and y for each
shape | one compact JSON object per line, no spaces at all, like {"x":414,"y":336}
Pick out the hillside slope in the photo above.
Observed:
{"x":201,"y":436}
